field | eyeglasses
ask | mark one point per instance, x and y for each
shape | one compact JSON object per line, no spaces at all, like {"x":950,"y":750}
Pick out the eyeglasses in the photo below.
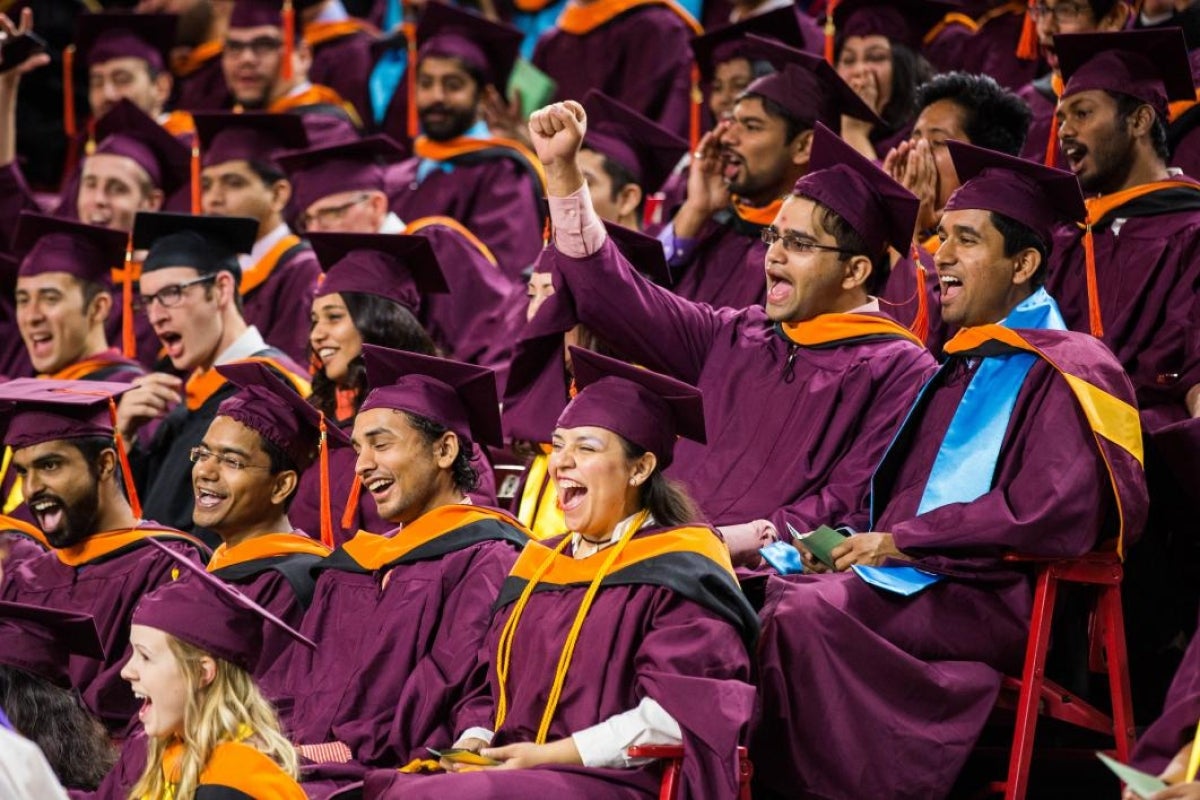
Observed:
{"x":797,"y":245}
{"x":325,"y":216}
{"x":260,"y":46}
{"x":201,"y":455}
{"x":1062,"y":12}
{"x":169,"y":296}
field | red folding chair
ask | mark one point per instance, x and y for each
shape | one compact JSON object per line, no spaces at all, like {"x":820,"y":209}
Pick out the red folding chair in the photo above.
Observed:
{"x":1034,"y":694}
{"x":672,"y":758}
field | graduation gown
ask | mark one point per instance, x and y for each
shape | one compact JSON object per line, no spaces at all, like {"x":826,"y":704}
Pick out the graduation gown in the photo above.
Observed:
{"x":901,"y":301}
{"x":794,"y":430}
{"x":410,"y":612}
{"x":104,"y":576}
{"x":493,"y":189}
{"x":726,"y":268}
{"x":1176,"y":726}
{"x":993,"y":49}
{"x":668,"y":623}
{"x":1147,"y":245}
{"x":273,"y":570}
{"x":1041,"y":95}
{"x":199,"y":80}
{"x":109,"y":365}
{"x":236,"y":771}
{"x":342,"y":59}
{"x":635,"y":51}
{"x":277,"y":295}
{"x":161,"y":466}
{"x":908,"y":682}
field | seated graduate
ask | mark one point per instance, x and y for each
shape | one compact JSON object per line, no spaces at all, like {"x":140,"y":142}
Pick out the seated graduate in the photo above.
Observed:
{"x":245,"y":473}
{"x":375,"y":288}
{"x":36,"y":644}
{"x":802,"y":395}
{"x":83,"y":501}
{"x":406,"y":611}
{"x":610,"y":635}
{"x":211,"y":732}
{"x":1026,"y":440}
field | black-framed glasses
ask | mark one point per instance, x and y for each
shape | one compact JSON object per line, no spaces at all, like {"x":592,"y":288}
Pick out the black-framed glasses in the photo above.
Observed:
{"x":332,"y":214}
{"x":201,"y":455}
{"x":797,"y":245}
{"x":169,"y":296}
{"x":1062,"y":12}
{"x":259,"y":45}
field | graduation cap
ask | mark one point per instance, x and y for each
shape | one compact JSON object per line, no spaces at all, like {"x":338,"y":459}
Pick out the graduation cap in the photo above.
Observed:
{"x":731,"y":42}
{"x":356,"y":165}
{"x":51,"y":244}
{"x":460,"y":397}
{"x":224,"y":136}
{"x":489,"y":48}
{"x":128,"y":131}
{"x":275,"y":411}
{"x":106,"y":36}
{"x":36,"y":410}
{"x":806,"y":87}
{"x":642,"y":407}
{"x":206,"y":244}
{"x":1150,"y":65}
{"x":396,"y":267}
{"x":204,"y":611}
{"x":641,"y":146}
{"x":1037,"y":196}
{"x":903,"y":21}
{"x":41,"y":640}
{"x":275,"y":13}
{"x":878,"y":208}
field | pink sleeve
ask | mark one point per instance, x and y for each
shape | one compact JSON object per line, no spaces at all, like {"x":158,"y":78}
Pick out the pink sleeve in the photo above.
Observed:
{"x":578,"y":231}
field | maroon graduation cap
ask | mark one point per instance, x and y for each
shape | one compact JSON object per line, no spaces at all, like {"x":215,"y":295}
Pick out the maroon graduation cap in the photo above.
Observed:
{"x":644,"y":148}
{"x":731,"y":41}
{"x":643,"y":407}
{"x":41,"y":640}
{"x":1151,"y":65}
{"x":903,"y":21}
{"x":204,"y":611}
{"x":489,"y":48}
{"x":460,"y":397}
{"x":355,"y":165}
{"x":105,"y":36}
{"x":128,"y":131}
{"x":806,"y":87}
{"x":51,"y":244}
{"x":250,"y":136}
{"x":396,"y":267}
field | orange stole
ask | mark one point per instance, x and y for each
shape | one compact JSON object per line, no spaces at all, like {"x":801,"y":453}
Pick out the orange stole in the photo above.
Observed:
{"x":456,"y":226}
{"x":424,"y":147}
{"x":1100,"y":207}
{"x":763,"y":216}
{"x":203,"y":384}
{"x":578,"y":19}
{"x":199,"y":55}
{"x":315,"y":95}
{"x":236,"y":765}
{"x":81,"y":369}
{"x":953,"y":18}
{"x":257,"y":275}
{"x":8,"y":523}
{"x":827,"y":329}
{"x":102,"y":544}
{"x":318,"y":33}
{"x":373,"y":551}
{"x":268,"y":545}
{"x":566,"y":570}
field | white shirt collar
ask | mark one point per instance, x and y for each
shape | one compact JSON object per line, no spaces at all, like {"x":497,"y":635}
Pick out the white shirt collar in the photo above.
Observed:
{"x":392,"y":224}
{"x":263,"y":246}
{"x":246,"y":345}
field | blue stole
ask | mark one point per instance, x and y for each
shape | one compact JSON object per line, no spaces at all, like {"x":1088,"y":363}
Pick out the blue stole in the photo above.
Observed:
{"x":388,"y":71}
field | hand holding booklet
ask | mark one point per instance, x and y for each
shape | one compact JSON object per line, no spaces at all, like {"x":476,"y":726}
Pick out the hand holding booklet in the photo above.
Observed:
{"x":1140,"y":783}
{"x":460,"y":756}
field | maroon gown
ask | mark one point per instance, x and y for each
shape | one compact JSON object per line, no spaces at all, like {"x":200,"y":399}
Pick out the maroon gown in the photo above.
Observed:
{"x":106,"y":577}
{"x":726,"y":268}
{"x":907,"y":683}
{"x":280,"y":306}
{"x":993,"y":49}
{"x":794,"y":432}
{"x":1039,"y":96}
{"x":343,"y":62}
{"x":900,"y":300}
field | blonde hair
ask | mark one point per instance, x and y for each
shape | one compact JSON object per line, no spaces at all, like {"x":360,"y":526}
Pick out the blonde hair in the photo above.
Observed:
{"x":230,"y":708}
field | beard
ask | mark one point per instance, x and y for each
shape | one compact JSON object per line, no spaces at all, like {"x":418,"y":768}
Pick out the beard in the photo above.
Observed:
{"x":77,"y":521}
{"x":453,"y":123}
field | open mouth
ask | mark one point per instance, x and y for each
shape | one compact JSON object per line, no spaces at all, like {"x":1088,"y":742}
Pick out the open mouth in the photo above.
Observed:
{"x":146,"y":704}
{"x":49,"y":512}
{"x":1074,"y":152}
{"x":172,"y":343}
{"x":731,"y":165}
{"x":779,"y":288}
{"x":950,"y":286}
{"x":326,"y":353}
{"x":378,"y":486}
{"x":570,"y":494}
{"x":207,"y":499}
{"x":39,"y":343}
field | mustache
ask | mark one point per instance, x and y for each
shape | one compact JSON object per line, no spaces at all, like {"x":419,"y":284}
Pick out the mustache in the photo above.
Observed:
{"x":45,"y":495}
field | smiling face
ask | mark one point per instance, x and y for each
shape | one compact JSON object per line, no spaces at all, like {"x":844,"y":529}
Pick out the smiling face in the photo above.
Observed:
{"x":730,"y":79}
{"x":112,"y":189}
{"x":598,"y":484}
{"x":979,"y":283}
{"x":405,"y":473}
{"x":868,"y":54}
{"x":334,"y":338}
{"x":757,"y":159}
{"x":54,"y":320}
{"x":158,"y":679}
{"x":232,"y":501}
{"x":447,"y":98}
{"x":61,"y":489}
{"x":1097,"y":143}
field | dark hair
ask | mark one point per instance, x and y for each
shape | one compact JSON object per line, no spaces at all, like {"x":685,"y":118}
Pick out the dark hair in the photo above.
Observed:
{"x":620,"y":178}
{"x":1017,"y":237}
{"x":1102,"y":8}
{"x":463,"y":472}
{"x":90,"y":447}
{"x":793,"y":126}
{"x":993,"y":117}
{"x":853,"y":243}
{"x":267,"y":172}
{"x":280,"y":462}
{"x":909,"y":70}
{"x":378,"y":321}
{"x":1127,"y":106}
{"x":74,"y":742}
{"x":667,"y":500}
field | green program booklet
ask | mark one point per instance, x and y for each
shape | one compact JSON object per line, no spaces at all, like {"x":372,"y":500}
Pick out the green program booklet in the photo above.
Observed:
{"x":1142,"y":784}
{"x":821,"y":541}
{"x":536,"y":87}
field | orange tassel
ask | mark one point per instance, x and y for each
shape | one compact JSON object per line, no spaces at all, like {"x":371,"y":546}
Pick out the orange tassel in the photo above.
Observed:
{"x":1027,"y":45}
{"x":289,"y":39}
{"x":920,"y":323}
{"x":196,"y":205}
{"x":547,"y":231}
{"x":352,"y":504}
{"x":1089,"y":253}
{"x":69,"y":92}
{"x":128,"y":341}
{"x":830,"y":31}
{"x":410,"y":73}
{"x":1052,"y":144}
{"x":695,"y":109}
{"x":123,"y":456}
{"x":326,"y":512}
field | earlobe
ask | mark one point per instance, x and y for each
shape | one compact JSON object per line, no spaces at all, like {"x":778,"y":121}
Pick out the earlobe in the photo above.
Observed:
{"x":208,"y":671}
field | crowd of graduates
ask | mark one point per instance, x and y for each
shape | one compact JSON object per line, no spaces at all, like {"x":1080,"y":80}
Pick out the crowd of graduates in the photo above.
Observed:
{"x":430,"y":400}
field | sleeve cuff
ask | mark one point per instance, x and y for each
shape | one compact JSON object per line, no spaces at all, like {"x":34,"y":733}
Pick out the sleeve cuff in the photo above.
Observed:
{"x":578,"y":231}
{"x":475,"y":733}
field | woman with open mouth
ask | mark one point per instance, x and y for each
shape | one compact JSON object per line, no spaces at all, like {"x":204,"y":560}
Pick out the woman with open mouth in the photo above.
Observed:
{"x":604,"y":636}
